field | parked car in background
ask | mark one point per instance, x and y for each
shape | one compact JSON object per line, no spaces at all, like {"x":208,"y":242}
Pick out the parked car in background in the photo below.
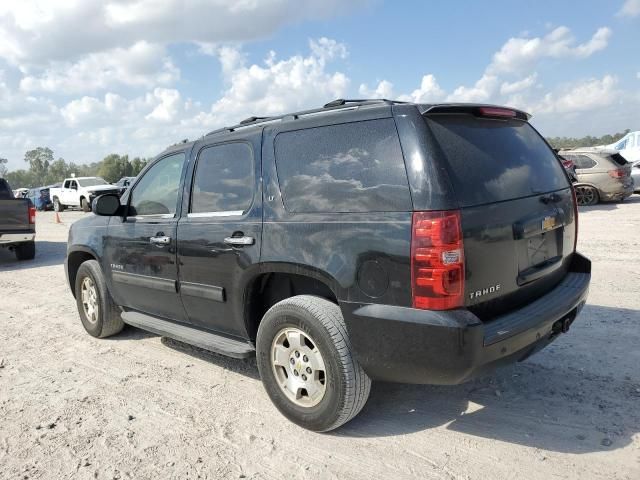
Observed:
{"x":40,"y":198}
{"x":80,"y":192}
{"x":124,"y":183}
{"x":603,"y":175}
{"x":362,"y":240}
{"x":17,"y":223}
{"x":628,"y":146}
{"x":20,"y":193}
{"x":635,"y":175}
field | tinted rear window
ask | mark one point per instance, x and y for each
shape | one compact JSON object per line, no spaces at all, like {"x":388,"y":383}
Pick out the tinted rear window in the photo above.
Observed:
{"x":495,"y":160}
{"x":352,"y":167}
{"x":619,"y":159}
{"x":5,"y":190}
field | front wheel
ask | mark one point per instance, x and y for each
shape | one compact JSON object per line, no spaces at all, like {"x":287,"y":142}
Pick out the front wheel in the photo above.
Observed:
{"x":85,"y":205}
{"x":99,"y":314}
{"x":307,"y":364}
{"x":57,"y":206}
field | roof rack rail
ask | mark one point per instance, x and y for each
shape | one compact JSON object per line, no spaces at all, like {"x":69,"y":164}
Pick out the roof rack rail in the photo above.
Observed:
{"x":343,"y":101}
{"x":246,"y":121}
{"x":338,"y":104}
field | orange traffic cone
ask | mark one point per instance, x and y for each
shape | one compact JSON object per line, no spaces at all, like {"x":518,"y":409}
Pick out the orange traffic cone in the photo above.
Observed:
{"x":57,"y":218}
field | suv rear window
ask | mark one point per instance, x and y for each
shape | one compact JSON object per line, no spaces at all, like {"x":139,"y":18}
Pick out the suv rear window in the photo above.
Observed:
{"x":495,"y":160}
{"x":352,"y":167}
{"x":619,"y":159}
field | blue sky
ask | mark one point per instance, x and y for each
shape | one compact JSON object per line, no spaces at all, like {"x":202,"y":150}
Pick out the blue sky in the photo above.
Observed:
{"x":89,"y":77}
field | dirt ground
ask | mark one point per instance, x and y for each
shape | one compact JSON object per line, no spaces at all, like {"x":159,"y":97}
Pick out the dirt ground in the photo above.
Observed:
{"x":141,"y":406}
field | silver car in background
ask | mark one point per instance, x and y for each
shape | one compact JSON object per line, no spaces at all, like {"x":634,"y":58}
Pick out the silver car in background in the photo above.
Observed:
{"x":603,"y":175}
{"x":635,"y":175}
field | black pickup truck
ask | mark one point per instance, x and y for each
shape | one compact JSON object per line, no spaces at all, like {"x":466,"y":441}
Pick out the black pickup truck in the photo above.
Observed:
{"x":365,"y":240}
{"x":17,"y":223}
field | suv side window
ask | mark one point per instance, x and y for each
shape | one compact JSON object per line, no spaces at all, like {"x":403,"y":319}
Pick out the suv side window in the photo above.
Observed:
{"x":582,"y":161}
{"x":352,"y":167}
{"x":157,"y":191}
{"x":224,"y":179}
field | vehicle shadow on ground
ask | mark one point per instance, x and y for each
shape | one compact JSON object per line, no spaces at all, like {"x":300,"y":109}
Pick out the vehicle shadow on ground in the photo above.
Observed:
{"x":47,"y":254}
{"x":608,"y":206}
{"x":527,"y":404}
{"x":246,"y":367}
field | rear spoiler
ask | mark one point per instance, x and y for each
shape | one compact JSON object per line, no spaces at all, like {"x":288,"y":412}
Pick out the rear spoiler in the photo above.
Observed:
{"x":478,"y":110}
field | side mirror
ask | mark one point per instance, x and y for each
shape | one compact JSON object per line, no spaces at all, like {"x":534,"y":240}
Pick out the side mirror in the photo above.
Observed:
{"x":106,"y":205}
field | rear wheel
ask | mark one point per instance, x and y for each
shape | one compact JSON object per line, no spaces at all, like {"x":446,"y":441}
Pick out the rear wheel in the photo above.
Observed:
{"x":587,"y":195}
{"x":99,"y":314}
{"x":307,"y":365}
{"x":25,"y":251}
{"x":86,"y":206}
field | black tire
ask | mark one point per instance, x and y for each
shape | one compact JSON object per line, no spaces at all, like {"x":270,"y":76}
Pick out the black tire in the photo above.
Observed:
{"x":587,"y":195}
{"x":25,"y":251}
{"x":57,"y":206}
{"x":85,"y":205}
{"x":347,"y":385}
{"x":108,"y":321}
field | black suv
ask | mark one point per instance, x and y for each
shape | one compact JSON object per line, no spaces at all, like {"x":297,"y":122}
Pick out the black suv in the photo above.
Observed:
{"x":368,"y":239}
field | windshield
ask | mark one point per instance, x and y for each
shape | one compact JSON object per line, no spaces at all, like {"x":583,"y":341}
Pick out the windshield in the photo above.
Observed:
{"x":495,"y":160}
{"x":90,"y":182}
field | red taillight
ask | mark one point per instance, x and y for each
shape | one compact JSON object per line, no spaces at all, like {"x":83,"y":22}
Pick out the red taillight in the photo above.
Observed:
{"x":575,"y":215}
{"x":619,"y":173}
{"x":567,"y":163}
{"x":32,"y":215}
{"x":437,"y":260}
{"x":496,"y":112}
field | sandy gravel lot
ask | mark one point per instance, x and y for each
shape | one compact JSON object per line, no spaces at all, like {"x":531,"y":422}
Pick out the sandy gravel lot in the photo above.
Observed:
{"x":140,"y":406}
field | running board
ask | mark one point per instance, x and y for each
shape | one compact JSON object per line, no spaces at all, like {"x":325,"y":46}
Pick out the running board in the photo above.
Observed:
{"x":192,"y":336}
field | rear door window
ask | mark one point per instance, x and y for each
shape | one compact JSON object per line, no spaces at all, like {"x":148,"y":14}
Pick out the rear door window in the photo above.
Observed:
{"x":351,"y":167}
{"x":495,"y":160}
{"x":224,"y":179}
{"x":584,"y":162}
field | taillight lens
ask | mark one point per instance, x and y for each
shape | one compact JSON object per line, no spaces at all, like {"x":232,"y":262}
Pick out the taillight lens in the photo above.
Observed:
{"x":575,"y":215}
{"x":32,"y":215}
{"x":437,"y":260}
{"x":567,"y":163}
{"x":619,"y":173}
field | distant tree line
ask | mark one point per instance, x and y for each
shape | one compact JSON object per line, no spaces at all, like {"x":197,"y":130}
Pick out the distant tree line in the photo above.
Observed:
{"x":588,"y":141}
{"x":44,"y":170}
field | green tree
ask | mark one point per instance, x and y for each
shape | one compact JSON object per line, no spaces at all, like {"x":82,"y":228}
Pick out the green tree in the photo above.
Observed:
{"x":39,"y":160}
{"x":588,"y":141}
{"x":3,"y":167}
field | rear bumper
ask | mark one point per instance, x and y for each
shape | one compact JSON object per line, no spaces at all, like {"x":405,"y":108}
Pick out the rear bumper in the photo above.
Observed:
{"x":407,"y":345}
{"x":11,"y":238}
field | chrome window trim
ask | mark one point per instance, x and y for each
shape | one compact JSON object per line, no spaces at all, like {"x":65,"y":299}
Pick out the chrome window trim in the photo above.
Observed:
{"x":227,"y":213}
{"x":161,"y":215}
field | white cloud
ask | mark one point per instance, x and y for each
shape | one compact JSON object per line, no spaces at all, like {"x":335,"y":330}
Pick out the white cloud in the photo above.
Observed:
{"x":509,"y":88}
{"x":518,"y":55}
{"x":142,"y":65}
{"x":482,"y":92}
{"x":429,"y":91}
{"x":278,"y":86}
{"x":384,"y":89}
{"x":35,"y":31}
{"x":580,"y":97}
{"x":630,"y":8}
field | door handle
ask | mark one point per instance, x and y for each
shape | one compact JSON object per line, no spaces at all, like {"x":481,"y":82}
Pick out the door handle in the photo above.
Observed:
{"x":239,"y":241}
{"x":160,"y":241}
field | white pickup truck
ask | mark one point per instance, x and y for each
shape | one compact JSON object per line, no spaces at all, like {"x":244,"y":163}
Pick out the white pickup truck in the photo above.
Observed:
{"x":80,"y":192}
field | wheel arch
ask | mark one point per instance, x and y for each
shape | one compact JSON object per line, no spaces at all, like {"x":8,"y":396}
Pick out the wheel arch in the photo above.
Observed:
{"x":275,"y":282}
{"x":75,"y":258}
